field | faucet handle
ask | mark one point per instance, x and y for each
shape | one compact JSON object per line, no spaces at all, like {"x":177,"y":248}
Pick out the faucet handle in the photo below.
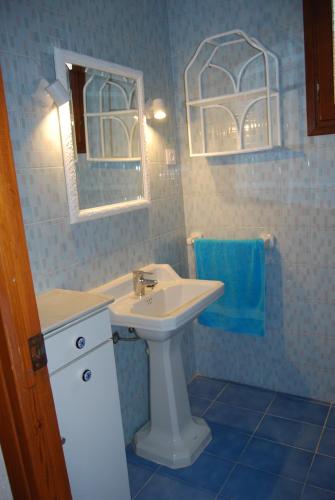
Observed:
{"x":141,"y":272}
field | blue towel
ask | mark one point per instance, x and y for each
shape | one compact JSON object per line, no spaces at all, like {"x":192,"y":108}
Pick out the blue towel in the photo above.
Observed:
{"x":240,"y":264}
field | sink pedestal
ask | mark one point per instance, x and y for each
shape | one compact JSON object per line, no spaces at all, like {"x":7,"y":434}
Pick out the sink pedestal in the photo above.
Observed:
{"x":172,"y":437}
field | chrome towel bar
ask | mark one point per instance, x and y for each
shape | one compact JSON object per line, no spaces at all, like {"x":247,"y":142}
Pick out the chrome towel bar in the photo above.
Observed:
{"x":268,"y":238}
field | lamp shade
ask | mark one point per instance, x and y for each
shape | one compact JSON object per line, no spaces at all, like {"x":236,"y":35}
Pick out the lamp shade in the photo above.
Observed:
{"x":156,"y":108}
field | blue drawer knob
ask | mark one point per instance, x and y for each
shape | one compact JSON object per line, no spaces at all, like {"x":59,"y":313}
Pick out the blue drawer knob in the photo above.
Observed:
{"x":86,"y":376}
{"x":80,"y":342}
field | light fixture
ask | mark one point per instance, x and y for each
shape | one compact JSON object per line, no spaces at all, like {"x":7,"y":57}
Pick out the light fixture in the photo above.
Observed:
{"x":58,"y":93}
{"x":55,"y":90}
{"x":155,"y":108}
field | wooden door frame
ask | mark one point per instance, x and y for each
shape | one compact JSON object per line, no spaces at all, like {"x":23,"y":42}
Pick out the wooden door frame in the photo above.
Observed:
{"x":29,"y":434}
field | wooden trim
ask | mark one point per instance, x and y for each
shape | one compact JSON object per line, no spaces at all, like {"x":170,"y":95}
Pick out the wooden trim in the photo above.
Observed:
{"x":29,"y":434}
{"x":77,"y":79}
{"x":325,"y":60}
{"x":319,"y":67}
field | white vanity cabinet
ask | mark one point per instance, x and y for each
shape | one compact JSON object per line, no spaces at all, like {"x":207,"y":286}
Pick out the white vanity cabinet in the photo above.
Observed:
{"x":84,"y":385}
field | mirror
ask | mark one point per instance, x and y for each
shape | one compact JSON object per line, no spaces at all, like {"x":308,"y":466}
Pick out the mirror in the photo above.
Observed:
{"x":102,"y":130}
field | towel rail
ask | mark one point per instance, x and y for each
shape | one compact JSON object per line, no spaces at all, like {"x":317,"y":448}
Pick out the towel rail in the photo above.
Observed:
{"x":268,"y":238}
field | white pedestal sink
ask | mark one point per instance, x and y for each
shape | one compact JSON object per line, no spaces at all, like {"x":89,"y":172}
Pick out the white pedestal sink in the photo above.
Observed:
{"x":172,"y":437}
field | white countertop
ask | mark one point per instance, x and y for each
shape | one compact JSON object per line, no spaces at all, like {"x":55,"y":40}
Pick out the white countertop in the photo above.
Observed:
{"x":58,"y":307}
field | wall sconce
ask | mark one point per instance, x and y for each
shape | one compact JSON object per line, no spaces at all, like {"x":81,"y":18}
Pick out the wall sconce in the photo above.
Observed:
{"x":58,"y":93}
{"x":155,"y":108}
{"x":55,"y":90}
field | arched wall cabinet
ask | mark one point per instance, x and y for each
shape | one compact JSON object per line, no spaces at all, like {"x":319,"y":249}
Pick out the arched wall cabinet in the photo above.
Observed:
{"x":232,"y":96}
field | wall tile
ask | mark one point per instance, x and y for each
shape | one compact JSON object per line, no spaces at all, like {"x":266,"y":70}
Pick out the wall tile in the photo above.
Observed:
{"x":289,"y":192}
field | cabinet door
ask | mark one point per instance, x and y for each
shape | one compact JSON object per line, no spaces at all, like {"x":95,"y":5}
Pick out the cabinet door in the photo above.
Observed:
{"x":89,"y":418}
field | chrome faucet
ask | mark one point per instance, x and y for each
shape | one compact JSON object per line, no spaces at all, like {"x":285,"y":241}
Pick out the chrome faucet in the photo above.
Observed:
{"x":140,"y":282}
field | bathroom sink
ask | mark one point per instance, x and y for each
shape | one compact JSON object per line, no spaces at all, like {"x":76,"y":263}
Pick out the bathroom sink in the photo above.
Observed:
{"x":173,"y":436}
{"x":169,"y":306}
{"x":176,"y":295}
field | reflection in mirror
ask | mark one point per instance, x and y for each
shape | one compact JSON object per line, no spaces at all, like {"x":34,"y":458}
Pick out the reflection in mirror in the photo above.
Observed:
{"x":105,"y":117}
{"x":111,"y":117}
{"x":103,"y":139}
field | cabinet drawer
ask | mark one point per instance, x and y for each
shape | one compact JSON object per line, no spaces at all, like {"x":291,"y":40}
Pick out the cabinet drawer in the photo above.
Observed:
{"x":67,"y":344}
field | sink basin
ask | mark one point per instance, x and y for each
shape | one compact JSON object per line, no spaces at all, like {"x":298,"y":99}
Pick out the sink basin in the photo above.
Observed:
{"x":168,"y":307}
{"x":171,"y":299}
{"x":172,"y":437}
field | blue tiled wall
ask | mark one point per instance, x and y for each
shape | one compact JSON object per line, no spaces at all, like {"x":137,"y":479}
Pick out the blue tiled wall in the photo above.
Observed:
{"x":85,"y":255}
{"x":290,"y":193}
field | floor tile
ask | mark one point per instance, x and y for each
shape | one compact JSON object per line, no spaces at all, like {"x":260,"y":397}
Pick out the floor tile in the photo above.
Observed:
{"x":246,"y":397}
{"x":331,"y":418}
{"x":327,"y":444}
{"x":136,"y":460}
{"x":207,"y":472}
{"x":198,"y":405}
{"x":272,"y":466}
{"x":238,"y":418}
{"x":251,"y":484}
{"x":323,"y":473}
{"x":207,"y":388}
{"x":138,"y":476}
{"x":299,"y":409}
{"x":165,"y":488}
{"x":227,"y":442}
{"x":312,"y":493}
{"x":277,"y":459}
{"x":284,"y":431}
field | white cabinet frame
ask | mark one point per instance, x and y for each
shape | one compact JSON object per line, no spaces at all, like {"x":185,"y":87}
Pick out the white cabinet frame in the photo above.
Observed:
{"x":222,"y":101}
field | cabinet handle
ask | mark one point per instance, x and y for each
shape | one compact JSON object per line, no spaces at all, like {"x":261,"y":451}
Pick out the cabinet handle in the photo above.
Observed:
{"x":86,"y":376}
{"x":80,"y":342}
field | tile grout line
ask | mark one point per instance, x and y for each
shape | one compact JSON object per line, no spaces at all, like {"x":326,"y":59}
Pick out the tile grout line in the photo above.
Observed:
{"x":245,"y":447}
{"x":315,"y":452}
{"x":146,"y":482}
{"x":216,"y":398}
{"x":305,"y":422}
{"x":296,"y":420}
{"x":323,"y":429}
{"x":282,"y":443}
{"x":264,"y":389}
{"x":191,"y":484}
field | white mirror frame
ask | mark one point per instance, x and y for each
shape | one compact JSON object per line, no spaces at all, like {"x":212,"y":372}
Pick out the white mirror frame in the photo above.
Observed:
{"x":62,"y":58}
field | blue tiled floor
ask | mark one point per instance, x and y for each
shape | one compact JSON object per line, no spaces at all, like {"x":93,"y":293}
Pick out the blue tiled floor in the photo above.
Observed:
{"x":299,"y":409}
{"x":331,"y":419}
{"x":327,"y":444}
{"x":289,"y":432}
{"x":265,"y":446}
{"x":199,"y":405}
{"x":238,"y":418}
{"x":246,"y":397}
